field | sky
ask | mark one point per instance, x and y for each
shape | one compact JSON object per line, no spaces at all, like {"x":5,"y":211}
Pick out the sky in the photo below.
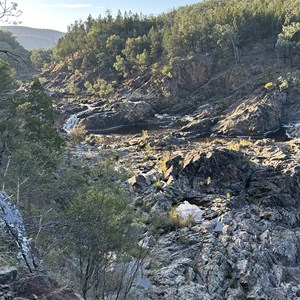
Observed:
{"x":58,"y":14}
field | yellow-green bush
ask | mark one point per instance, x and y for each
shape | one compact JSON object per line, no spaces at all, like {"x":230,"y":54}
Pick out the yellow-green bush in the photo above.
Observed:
{"x":78,"y":134}
{"x":270,"y":85}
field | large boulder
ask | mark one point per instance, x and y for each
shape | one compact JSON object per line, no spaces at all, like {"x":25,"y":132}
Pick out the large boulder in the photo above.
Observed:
{"x":256,"y":116}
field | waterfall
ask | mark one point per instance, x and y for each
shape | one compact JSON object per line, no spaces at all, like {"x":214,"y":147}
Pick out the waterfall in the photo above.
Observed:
{"x":70,"y":123}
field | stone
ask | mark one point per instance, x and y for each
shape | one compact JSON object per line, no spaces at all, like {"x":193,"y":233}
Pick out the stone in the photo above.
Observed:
{"x":61,"y":294}
{"x":189,"y":212}
{"x":11,"y":217}
{"x":219,"y":226}
{"x":8,"y":275}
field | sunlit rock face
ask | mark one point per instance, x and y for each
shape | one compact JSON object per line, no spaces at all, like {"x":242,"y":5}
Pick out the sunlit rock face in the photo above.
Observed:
{"x":24,"y":275}
{"x":244,"y":240}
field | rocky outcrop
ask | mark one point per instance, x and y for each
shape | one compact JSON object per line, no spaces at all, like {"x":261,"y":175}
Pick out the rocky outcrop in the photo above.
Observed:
{"x":259,"y":114}
{"x":191,"y":74}
{"x":247,"y":245}
{"x":24,"y":277}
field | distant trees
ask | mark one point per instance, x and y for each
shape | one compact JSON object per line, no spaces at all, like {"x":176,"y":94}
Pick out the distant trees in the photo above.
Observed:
{"x":9,"y":11}
{"x":6,"y":77}
{"x":129,"y":44}
{"x":15,"y":54}
{"x":288,"y":43}
{"x":40,"y":57}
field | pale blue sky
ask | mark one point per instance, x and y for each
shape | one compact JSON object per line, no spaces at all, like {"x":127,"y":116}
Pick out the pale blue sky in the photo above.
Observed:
{"x":58,"y":14}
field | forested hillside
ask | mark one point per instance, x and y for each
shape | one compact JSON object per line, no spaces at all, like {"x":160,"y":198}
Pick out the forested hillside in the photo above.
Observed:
{"x":128,"y":45}
{"x":34,"y":38}
{"x":15,"y":54}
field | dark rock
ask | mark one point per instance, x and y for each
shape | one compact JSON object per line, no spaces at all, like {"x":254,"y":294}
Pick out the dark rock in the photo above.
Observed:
{"x":261,"y":113}
{"x":8,"y":275}
{"x":248,"y":243}
{"x":102,"y":120}
{"x":61,"y":294}
{"x":38,"y":285}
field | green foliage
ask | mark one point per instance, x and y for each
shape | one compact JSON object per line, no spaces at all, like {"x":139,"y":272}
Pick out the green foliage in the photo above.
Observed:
{"x":6,"y":78}
{"x":78,"y":134}
{"x":129,"y":44}
{"x":159,"y":223}
{"x":30,"y":145}
{"x":40,"y":58}
{"x":20,"y":61}
{"x":121,"y":65}
{"x":100,"y":231}
{"x":73,"y":88}
{"x":288,"y":43}
{"x":166,"y":70}
{"x":270,"y":85}
{"x":178,"y":221}
{"x":283,"y":83}
{"x":102,"y":87}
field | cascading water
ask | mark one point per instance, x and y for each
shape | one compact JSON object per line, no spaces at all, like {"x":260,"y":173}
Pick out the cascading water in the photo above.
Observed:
{"x":74,"y":119}
{"x":71,"y":122}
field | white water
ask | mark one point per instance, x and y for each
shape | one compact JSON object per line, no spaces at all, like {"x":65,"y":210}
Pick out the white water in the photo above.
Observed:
{"x":292,"y":130}
{"x":73,"y":120}
{"x":70,"y":123}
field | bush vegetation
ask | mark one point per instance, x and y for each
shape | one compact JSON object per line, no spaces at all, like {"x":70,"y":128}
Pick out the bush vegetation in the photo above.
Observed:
{"x":129,"y":45}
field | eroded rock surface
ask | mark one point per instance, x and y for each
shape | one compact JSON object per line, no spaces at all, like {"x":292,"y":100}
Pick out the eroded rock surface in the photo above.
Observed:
{"x":24,"y":278}
{"x":248,"y":243}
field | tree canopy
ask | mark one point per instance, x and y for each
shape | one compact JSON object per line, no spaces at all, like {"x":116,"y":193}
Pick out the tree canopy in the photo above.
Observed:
{"x":130,"y":44}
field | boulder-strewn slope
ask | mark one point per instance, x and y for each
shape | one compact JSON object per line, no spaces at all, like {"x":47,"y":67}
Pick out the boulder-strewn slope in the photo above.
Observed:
{"x":247,"y":245}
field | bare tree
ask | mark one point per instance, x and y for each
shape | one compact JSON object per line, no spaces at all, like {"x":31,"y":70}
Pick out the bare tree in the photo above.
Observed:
{"x":9,"y":10}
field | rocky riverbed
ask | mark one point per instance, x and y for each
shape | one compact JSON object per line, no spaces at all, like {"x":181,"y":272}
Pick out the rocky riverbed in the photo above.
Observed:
{"x":221,"y":215}
{"x":241,"y":236}
{"x":246,"y":246}
{"x":245,"y":243}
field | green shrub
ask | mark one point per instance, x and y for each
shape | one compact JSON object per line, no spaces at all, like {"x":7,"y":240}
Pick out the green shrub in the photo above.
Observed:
{"x":78,"y":134}
{"x":270,"y":86}
{"x":166,"y":70}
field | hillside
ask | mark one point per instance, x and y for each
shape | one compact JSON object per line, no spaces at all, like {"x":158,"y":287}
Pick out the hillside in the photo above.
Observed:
{"x":165,"y":163}
{"x":34,"y":38}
